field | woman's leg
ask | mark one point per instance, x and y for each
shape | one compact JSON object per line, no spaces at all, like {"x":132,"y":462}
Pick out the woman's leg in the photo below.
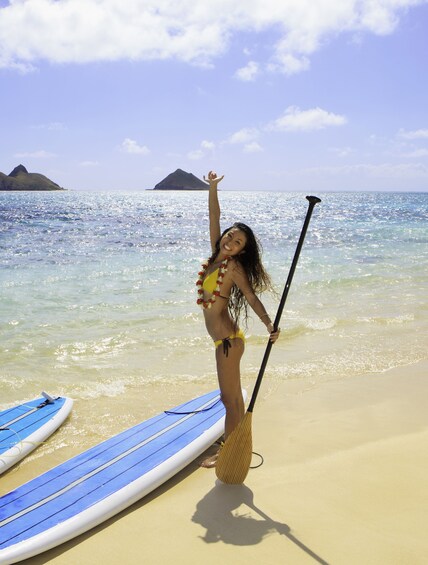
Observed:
{"x":229,"y":378}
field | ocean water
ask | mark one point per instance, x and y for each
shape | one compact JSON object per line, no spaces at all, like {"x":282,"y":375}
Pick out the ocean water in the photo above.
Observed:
{"x":97,"y":290}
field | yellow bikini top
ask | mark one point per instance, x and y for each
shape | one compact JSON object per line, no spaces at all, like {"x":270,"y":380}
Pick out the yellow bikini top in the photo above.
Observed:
{"x":210,"y":282}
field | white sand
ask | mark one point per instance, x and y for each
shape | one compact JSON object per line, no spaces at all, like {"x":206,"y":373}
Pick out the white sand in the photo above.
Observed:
{"x":344,"y":481}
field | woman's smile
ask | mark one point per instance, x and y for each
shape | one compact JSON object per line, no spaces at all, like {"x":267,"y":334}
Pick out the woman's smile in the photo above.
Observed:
{"x":234,"y":241}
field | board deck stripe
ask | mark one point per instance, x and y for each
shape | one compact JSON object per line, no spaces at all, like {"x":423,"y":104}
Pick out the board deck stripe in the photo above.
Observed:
{"x":105,"y":465}
{"x":91,"y":454}
{"x":26,"y":426}
{"x":27,"y":413}
{"x":93,"y":486}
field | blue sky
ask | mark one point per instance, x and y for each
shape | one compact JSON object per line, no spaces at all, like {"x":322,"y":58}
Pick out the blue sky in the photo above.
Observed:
{"x":276,"y":94}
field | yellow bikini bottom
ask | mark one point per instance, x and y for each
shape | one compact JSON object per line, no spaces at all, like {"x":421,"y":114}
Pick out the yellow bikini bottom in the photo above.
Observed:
{"x":226,"y":341}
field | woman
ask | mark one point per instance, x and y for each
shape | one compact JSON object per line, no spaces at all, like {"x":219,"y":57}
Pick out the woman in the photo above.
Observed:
{"x":227,"y":283}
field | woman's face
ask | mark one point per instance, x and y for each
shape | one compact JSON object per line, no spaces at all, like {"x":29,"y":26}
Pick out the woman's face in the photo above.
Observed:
{"x":233,"y":242}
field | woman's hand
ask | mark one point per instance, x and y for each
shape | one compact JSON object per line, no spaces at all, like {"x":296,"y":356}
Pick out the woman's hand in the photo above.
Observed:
{"x":273,"y":335}
{"x":213,"y":179}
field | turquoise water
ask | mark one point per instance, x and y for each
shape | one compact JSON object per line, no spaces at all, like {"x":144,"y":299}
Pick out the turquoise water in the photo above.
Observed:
{"x":98,"y":294}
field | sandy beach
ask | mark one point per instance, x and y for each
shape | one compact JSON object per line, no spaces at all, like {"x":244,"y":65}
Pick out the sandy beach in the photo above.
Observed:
{"x":343,"y":482}
{"x":135,"y":134}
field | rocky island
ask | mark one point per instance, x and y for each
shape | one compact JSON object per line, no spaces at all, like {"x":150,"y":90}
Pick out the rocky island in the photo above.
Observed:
{"x":180,"y":180}
{"x":21,"y":179}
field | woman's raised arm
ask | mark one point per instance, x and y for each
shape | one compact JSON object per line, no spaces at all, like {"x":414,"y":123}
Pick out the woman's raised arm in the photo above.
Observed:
{"x":214,"y":207}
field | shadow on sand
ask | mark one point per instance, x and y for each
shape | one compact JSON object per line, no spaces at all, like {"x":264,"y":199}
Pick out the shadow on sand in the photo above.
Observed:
{"x":217,"y":513}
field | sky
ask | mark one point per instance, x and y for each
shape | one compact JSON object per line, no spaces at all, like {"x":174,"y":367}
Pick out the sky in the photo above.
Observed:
{"x":287,"y":95}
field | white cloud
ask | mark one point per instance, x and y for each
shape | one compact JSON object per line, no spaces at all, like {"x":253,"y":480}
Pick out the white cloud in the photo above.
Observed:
{"x":208,"y":145}
{"x":82,"y":31}
{"x":51,"y":126}
{"x":247,"y":138}
{"x":416,"y":134}
{"x":341,"y":151}
{"x":195,"y":155}
{"x":288,"y":63}
{"x":295,"y":119}
{"x":131,"y":146}
{"x":253,"y":147}
{"x":244,"y":135}
{"x":41,"y":154}
{"x":249,"y":72}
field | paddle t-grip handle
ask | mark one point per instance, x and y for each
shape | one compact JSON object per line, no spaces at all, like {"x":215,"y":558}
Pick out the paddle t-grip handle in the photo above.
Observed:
{"x":313,"y":200}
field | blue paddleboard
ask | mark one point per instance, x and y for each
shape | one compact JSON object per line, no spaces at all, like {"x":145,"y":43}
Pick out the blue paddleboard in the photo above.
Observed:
{"x":24,"y":427}
{"x":100,"y":482}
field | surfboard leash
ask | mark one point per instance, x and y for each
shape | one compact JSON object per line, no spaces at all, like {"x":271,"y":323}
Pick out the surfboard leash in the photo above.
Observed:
{"x":20,"y":443}
{"x":193,"y":411}
{"x":220,"y":443}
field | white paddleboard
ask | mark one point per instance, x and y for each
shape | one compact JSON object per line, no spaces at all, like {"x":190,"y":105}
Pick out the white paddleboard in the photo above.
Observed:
{"x":100,"y":482}
{"x":24,"y":427}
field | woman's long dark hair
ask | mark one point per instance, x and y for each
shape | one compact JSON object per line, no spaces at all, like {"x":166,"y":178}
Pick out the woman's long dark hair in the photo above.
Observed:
{"x":251,"y":262}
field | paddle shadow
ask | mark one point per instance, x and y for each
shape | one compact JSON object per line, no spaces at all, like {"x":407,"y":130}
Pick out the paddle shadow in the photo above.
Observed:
{"x":217,"y":513}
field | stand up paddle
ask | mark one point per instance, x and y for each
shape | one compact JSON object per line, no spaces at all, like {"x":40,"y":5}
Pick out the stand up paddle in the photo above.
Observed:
{"x":234,"y":458}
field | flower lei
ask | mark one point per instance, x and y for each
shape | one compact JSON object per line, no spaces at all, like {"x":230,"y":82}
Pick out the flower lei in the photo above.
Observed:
{"x":221,"y":272}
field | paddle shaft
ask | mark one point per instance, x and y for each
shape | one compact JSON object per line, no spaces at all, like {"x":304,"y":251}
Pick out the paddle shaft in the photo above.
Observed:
{"x":312,"y":201}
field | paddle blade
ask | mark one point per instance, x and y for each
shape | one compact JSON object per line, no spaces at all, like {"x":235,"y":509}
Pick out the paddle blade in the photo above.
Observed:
{"x":234,"y":459}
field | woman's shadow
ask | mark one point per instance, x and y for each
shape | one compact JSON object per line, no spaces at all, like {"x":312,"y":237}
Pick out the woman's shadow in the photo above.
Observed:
{"x":218,"y":513}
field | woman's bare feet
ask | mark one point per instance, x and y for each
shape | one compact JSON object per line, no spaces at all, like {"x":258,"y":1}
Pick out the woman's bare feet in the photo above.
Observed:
{"x":210,"y":462}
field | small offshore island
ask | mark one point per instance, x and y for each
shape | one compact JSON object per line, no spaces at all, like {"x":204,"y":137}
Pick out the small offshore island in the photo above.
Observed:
{"x":180,"y":180}
{"x":21,"y":179}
